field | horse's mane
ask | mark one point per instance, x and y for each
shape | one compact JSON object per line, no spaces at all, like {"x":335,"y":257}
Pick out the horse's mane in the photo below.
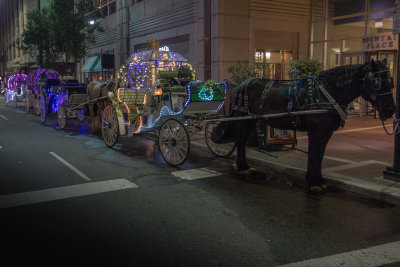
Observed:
{"x":340,"y":75}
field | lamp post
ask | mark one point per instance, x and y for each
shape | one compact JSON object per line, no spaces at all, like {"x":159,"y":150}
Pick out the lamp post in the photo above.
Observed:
{"x":393,"y":172}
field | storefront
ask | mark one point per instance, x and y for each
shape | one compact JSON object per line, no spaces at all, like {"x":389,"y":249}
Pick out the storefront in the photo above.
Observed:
{"x":352,"y":32}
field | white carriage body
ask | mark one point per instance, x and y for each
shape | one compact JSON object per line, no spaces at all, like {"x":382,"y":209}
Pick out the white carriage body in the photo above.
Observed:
{"x":155,"y":85}
{"x":16,"y":88}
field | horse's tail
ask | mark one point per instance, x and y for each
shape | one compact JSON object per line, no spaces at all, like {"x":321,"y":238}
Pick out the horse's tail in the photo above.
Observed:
{"x":223,"y":132}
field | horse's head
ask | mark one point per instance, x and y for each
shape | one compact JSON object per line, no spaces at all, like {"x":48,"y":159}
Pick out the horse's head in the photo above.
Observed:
{"x":378,"y":87}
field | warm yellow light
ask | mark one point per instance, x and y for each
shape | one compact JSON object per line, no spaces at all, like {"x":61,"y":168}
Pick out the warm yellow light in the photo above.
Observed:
{"x":268,"y":55}
{"x":157,"y":91}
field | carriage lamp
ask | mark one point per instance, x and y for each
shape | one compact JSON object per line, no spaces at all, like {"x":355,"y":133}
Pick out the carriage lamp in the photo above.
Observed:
{"x":158,"y":91}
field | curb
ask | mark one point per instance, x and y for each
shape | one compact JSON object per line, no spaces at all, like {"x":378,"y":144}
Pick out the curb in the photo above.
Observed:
{"x":381,"y":189}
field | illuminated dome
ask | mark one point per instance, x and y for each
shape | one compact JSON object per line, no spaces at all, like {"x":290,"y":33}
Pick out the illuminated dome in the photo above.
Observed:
{"x":142,"y":69}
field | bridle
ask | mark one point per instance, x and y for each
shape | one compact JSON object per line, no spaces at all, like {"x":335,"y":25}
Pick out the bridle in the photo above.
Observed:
{"x":375,"y":93}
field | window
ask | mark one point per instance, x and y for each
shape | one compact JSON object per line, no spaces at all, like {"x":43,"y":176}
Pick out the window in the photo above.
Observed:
{"x":112,"y":8}
{"x":108,"y":7}
{"x":338,"y":8}
{"x":381,"y":4}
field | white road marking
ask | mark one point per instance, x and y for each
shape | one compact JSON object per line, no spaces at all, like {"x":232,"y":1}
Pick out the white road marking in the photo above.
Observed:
{"x":347,"y":131}
{"x":340,"y":160}
{"x":79,"y":190}
{"x":195,"y":174}
{"x":373,"y":256}
{"x":4,"y":117}
{"x":69,"y":165}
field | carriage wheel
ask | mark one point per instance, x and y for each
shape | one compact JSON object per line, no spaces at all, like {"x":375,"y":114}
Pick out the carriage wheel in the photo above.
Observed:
{"x":109,"y":126}
{"x":37,"y":106}
{"x":220,"y":150}
{"x":27,"y":104}
{"x":62,"y":116}
{"x":174,"y":142}
{"x":43,"y":110}
{"x":81,"y":115}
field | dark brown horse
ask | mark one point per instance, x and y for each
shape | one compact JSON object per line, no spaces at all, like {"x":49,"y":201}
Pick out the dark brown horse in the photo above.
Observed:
{"x":96,"y":90}
{"x":341,"y":85}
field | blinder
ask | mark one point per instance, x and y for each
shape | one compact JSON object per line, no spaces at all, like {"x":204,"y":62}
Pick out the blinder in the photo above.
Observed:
{"x":376,"y":90}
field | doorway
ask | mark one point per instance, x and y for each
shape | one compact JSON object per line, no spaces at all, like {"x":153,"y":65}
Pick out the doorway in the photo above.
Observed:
{"x":355,"y":107}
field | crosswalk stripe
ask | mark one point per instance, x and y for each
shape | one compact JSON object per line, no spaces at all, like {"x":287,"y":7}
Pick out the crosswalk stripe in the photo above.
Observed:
{"x":194,"y":174}
{"x":64,"y":192}
{"x":373,"y":256}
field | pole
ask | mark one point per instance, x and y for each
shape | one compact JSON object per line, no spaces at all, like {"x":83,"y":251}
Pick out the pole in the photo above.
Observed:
{"x":101,"y":62}
{"x":393,"y":172}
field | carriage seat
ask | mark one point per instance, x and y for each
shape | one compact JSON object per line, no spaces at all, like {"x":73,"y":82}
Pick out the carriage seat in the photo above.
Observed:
{"x":77,"y":99}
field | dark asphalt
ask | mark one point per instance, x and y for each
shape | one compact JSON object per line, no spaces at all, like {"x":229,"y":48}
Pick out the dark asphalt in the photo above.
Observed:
{"x":166,"y":221}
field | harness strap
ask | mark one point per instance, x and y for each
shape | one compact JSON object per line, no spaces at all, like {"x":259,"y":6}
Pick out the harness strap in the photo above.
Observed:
{"x":265,"y":93}
{"x":342,"y":113}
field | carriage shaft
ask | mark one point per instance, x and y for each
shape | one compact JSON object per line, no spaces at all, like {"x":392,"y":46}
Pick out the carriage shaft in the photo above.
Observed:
{"x":267,"y":116}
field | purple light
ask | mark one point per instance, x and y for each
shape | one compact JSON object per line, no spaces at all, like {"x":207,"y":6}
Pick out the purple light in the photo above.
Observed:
{"x":34,"y":77}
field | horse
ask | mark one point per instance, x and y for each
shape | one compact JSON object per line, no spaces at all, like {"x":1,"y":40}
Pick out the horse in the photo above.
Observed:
{"x":333,"y":91}
{"x":96,"y":90}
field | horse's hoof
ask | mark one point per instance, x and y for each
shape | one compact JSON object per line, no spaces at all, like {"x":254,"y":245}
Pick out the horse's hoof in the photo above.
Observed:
{"x":315,"y":189}
{"x":245,"y":172}
{"x":324,"y":186}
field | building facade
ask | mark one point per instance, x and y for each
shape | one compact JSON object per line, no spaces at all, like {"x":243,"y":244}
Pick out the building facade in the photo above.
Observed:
{"x":213,"y":34}
{"x":352,"y":32}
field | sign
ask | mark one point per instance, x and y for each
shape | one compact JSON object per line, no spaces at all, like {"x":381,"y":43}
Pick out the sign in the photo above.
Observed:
{"x":280,"y":137}
{"x":379,"y":41}
{"x":396,"y":18}
{"x":164,"y":48}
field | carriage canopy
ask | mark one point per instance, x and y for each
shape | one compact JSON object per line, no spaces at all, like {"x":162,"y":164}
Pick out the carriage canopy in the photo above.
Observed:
{"x":16,"y":80}
{"x":145,"y":69}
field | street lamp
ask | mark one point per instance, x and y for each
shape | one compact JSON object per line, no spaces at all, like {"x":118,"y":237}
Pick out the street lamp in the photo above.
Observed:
{"x":91,"y":22}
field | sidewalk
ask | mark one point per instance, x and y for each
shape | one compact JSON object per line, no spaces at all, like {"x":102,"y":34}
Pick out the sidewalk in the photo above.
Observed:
{"x":354,"y":160}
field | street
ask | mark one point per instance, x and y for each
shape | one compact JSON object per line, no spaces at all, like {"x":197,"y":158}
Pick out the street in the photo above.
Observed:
{"x":67,"y":199}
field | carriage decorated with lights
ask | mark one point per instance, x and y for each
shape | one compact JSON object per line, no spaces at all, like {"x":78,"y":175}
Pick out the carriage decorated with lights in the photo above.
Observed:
{"x":39,"y":82}
{"x":16,"y":88}
{"x":157,"y":91}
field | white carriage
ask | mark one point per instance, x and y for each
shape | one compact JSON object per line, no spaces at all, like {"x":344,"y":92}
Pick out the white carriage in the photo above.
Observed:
{"x":16,"y":88}
{"x":158,"y":91}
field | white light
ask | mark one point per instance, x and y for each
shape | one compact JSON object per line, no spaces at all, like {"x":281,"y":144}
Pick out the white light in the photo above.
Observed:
{"x":268,"y":55}
{"x":378,"y":24}
{"x":164,"y":48}
{"x":91,"y":22}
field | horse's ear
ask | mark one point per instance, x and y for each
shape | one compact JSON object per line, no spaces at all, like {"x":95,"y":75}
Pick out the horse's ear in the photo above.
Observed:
{"x":374,"y":65}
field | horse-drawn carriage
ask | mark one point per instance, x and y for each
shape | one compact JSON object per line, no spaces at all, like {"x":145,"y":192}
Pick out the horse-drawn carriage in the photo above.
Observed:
{"x":39,"y":81}
{"x":156,"y":91}
{"x":16,"y":88}
{"x":72,"y":103}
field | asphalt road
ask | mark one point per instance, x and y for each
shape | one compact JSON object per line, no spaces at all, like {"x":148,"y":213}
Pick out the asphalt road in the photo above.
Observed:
{"x":67,"y":199}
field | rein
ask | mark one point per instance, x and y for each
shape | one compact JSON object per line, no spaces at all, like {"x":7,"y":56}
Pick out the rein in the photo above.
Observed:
{"x":396,"y":126}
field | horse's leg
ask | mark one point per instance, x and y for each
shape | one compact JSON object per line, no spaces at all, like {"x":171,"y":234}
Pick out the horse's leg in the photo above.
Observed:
{"x":317,"y":140}
{"x":241,"y":135}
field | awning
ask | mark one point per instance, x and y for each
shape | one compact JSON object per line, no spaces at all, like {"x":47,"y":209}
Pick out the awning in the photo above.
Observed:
{"x":90,"y":64}
{"x":97,"y":67}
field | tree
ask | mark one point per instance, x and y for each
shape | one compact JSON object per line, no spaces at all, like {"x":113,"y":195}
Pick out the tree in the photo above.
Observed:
{"x":62,"y":29}
{"x":71,"y":21}
{"x":38,"y":38}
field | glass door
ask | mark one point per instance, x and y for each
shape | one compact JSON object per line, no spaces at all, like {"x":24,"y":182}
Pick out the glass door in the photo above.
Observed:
{"x":355,"y":107}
